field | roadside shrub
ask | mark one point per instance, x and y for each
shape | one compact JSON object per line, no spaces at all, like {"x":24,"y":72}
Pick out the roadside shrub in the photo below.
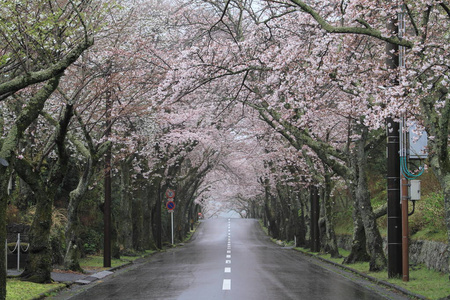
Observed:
{"x":429,"y":216}
{"x":12,"y":214}
{"x":92,"y":241}
{"x":434,"y":212}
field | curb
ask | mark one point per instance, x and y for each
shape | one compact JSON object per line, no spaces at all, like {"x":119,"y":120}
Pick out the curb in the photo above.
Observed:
{"x":368,"y":277}
{"x":99,"y":275}
{"x":92,"y":279}
{"x":55,"y":290}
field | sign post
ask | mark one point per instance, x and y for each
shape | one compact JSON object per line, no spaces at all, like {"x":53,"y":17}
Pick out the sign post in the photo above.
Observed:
{"x":170,"y":206}
{"x":170,"y":194}
{"x":171,"y":222}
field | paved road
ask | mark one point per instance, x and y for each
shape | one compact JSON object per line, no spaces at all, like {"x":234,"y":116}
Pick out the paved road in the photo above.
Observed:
{"x":232,"y":259}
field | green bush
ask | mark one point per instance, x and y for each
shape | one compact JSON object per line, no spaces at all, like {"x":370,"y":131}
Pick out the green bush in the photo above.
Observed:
{"x":92,"y":241}
{"x":434,"y":212}
{"x":428,"y":220}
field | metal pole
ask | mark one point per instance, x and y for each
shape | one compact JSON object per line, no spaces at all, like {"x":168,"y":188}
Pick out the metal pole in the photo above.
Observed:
{"x":171,"y":222}
{"x":18,"y":251}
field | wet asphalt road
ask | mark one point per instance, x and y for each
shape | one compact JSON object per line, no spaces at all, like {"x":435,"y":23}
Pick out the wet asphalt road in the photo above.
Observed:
{"x":232,"y":259}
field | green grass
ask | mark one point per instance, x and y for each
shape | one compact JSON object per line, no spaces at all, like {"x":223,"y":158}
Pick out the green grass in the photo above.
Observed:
{"x":431,"y":235}
{"x":22,"y":290}
{"x":96,"y":261}
{"x":422,"y":281}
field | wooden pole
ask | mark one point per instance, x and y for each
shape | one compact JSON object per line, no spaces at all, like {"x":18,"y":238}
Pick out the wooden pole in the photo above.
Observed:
{"x":405,"y":230}
{"x":107,"y":204}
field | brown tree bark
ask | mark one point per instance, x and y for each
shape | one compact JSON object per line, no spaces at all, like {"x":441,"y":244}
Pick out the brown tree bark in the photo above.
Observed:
{"x":374,"y":241}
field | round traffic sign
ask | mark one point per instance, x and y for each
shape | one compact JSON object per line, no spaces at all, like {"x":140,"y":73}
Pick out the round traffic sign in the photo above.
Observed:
{"x":170,"y":193}
{"x":170,"y":205}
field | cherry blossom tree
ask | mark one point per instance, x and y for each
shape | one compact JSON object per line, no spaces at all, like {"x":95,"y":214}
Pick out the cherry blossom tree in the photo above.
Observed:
{"x":109,"y":72}
{"x":39,"y":41}
{"x":422,"y":92}
{"x":267,"y":70}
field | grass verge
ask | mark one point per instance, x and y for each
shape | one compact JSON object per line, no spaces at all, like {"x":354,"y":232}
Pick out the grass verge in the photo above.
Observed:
{"x":95,"y":262}
{"x":422,"y":281}
{"x":22,"y":290}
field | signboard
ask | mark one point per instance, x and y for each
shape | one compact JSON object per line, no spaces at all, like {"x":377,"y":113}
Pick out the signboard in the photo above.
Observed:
{"x":170,"y":194}
{"x":170,"y":205}
{"x":418,"y":144}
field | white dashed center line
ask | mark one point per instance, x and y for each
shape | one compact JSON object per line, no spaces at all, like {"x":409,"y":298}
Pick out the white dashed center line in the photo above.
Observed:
{"x":226,"y":286}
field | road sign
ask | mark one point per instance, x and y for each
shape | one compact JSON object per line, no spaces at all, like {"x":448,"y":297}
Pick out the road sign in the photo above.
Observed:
{"x":170,"y":193}
{"x":170,"y":205}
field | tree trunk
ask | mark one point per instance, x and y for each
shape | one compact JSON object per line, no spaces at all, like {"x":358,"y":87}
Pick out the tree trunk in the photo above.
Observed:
{"x":272,"y":215}
{"x":314,"y":219}
{"x":358,"y":251}
{"x":157,"y":221}
{"x":73,"y":254}
{"x":330,"y":242}
{"x":301,"y":226}
{"x":126,"y":224}
{"x":149,"y":240}
{"x":5,"y":172}
{"x":28,"y":115}
{"x":268,"y":208}
{"x":115,"y":245}
{"x":374,"y":241}
{"x":4,"y":179}
{"x":39,"y":264}
{"x":138,"y":219}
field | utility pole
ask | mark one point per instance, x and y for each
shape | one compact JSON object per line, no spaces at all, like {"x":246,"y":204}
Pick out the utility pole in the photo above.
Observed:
{"x":107,"y":204}
{"x":393,"y":169}
{"x":404,"y":156}
{"x":405,"y":229}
